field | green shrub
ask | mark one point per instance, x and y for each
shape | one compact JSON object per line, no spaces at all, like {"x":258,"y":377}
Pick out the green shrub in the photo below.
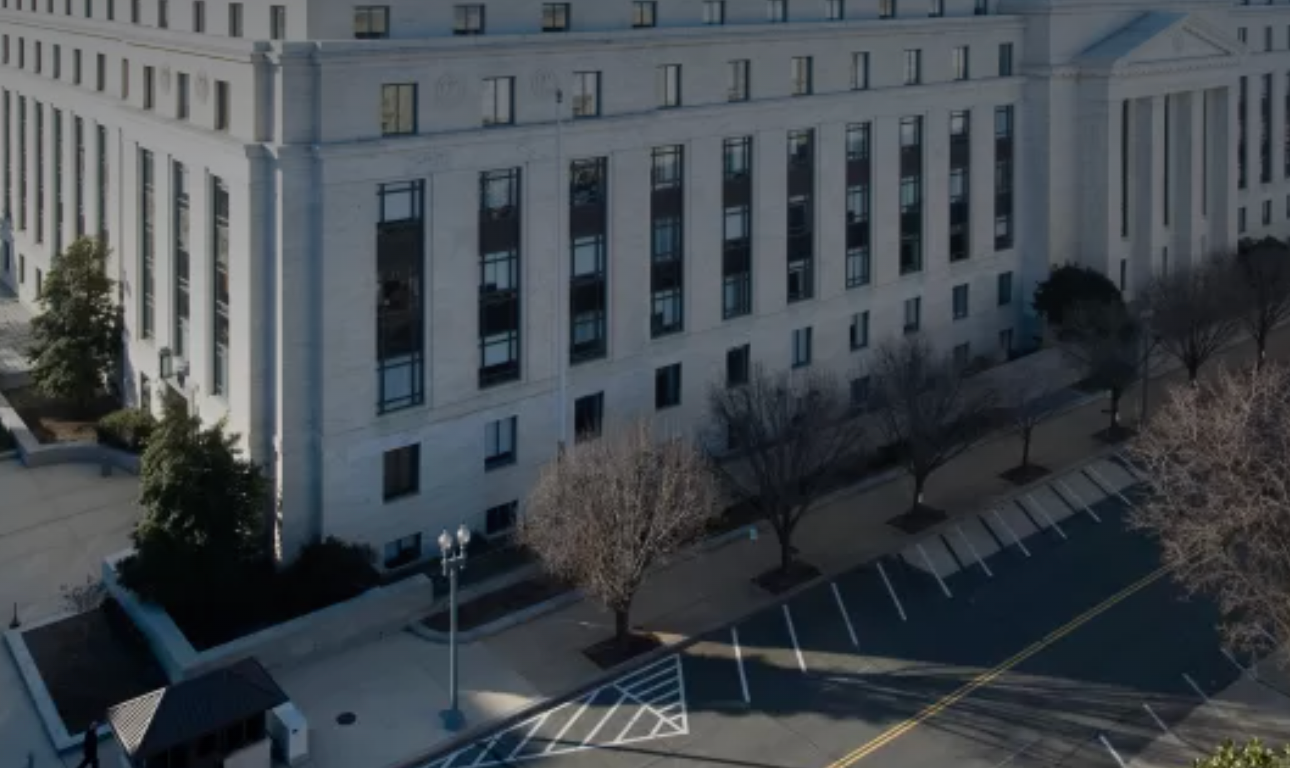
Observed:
{"x":127,"y":429}
{"x":328,"y":572}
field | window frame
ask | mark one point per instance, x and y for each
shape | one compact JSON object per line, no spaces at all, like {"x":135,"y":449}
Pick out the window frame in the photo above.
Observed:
{"x":469,"y":19}
{"x":644,"y":14}
{"x":399,"y":124}
{"x":501,"y":443}
{"x":367,"y":14}
{"x":555,"y":17}
{"x":401,"y":464}
{"x":490,"y":117}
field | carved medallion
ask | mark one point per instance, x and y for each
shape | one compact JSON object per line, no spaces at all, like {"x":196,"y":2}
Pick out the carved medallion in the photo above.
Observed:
{"x":544,"y":83}
{"x":449,"y":90}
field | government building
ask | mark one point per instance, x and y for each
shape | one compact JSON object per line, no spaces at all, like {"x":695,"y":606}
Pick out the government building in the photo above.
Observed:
{"x":408,"y":248}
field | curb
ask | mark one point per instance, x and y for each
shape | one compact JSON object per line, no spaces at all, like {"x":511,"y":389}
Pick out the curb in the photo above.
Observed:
{"x":512,"y":619}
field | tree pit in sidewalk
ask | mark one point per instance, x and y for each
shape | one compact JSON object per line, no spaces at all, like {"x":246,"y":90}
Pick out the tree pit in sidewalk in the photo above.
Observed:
{"x":608,"y":654}
{"x":1115,"y":435}
{"x":59,"y":421}
{"x":493,"y":606}
{"x":1025,"y":474}
{"x":777,"y":580}
{"x":918,"y":519}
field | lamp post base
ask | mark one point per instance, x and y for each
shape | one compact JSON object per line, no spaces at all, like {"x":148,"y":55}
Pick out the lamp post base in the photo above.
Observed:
{"x":452,"y":719}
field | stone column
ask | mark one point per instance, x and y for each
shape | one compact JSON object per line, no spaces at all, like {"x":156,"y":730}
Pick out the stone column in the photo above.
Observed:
{"x":830,"y":210}
{"x":1186,"y":218}
{"x":770,"y":221}
{"x":704,"y":229}
{"x":936,"y":199}
{"x":1221,"y":199}
{"x":1145,"y":184}
{"x":884,"y":202}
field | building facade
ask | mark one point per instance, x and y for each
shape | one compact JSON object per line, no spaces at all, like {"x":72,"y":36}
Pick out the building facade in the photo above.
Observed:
{"x":406,"y":248}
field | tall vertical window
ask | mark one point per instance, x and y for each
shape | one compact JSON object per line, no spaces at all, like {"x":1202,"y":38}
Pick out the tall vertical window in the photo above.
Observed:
{"x":199,"y":16}
{"x":277,"y":22}
{"x":860,"y":71}
{"x":222,"y":117}
{"x":7,"y":151}
{"x":801,"y":215}
{"x":499,"y":276}
{"x":959,"y":297}
{"x":936,"y":8}
{"x":911,"y":195}
{"x":101,"y":155}
{"x":149,"y":87}
{"x":180,"y":262}
{"x":1005,"y":59}
{"x":667,"y":241}
{"x":959,"y":60}
{"x":644,"y":13}
{"x":234,"y":19}
{"x":858,"y":266}
{"x":586,"y":94}
{"x":398,"y":109}
{"x":736,"y":237}
{"x":100,"y":72}
{"x":589,"y":278}
{"x":400,"y":348}
{"x":913,"y":66}
{"x":886,"y":9}
{"x":38,"y":152}
{"x":1265,"y":129}
{"x":669,"y":86}
{"x":1126,"y":117}
{"x":22,"y":163}
{"x":960,"y":184}
{"x":1004,"y":128}
{"x":498,"y":101}
{"x":468,"y":19}
{"x":802,"y":347}
{"x":76,"y":66}
{"x":56,"y":177}
{"x":714,"y":12}
{"x":1242,"y":94}
{"x":777,"y":11}
{"x":913,"y":314}
{"x":859,"y":333}
{"x":182,"y":91}
{"x":1167,"y":151}
{"x":163,"y":14}
{"x":147,"y":246}
{"x":737,"y":87}
{"x":835,"y":10}
{"x":801,"y":74}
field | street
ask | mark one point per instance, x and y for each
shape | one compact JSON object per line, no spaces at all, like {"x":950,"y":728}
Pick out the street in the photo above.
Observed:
{"x":1039,"y":633}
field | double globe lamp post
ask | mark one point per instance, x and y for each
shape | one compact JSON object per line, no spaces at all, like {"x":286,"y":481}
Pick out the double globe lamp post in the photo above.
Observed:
{"x":453,"y":557}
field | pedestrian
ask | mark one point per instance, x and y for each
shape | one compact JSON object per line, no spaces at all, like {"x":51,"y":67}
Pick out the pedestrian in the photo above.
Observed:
{"x":90,"y":747}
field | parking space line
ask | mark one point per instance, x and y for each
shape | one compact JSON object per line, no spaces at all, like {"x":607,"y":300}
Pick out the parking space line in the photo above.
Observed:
{"x":891,"y":591}
{"x":842,"y":608}
{"x":622,"y":696}
{"x":1118,"y":760}
{"x":928,"y":562}
{"x":1015,"y":539}
{"x":1097,"y":479}
{"x":630,"y":724}
{"x":1051,"y":523}
{"x":484,"y":751}
{"x":1130,"y":467}
{"x":537,"y":724}
{"x":560,"y":736}
{"x":1196,"y":688}
{"x":792,"y":634}
{"x":1228,"y":655}
{"x":1161,"y":723}
{"x":739,"y":662}
{"x":1068,"y":491}
{"x":972,"y":549}
{"x":1017,"y":754}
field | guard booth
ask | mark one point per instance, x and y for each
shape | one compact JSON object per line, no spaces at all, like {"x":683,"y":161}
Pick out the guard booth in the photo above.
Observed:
{"x":217,"y":720}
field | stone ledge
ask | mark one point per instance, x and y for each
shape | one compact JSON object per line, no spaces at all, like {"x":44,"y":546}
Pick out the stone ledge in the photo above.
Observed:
{"x":33,"y":453}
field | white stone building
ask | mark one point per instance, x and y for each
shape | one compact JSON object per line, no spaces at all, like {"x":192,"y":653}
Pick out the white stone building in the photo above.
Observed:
{"x":347,"y":223}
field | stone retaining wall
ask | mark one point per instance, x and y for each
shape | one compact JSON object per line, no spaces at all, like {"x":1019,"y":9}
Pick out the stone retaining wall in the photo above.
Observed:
{"x":33,"y":453}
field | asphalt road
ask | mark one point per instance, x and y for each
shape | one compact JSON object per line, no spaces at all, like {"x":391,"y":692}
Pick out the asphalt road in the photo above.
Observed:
{"x":1039,"y":634}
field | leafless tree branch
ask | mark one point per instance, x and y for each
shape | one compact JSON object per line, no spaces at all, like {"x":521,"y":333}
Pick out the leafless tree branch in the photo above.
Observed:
{"x":1105,"y":340}
{"x":1029,"y":402}
{"x":1195,"y":312}
{"x":1263,"y":290}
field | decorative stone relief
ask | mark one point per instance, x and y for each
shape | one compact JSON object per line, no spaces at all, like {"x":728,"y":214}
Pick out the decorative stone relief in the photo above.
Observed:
{"x":544,"y":82}
{"x":430,"y":162}
{"x":449,"y":90}
{"x":203,"y":87}
{"x":165,"y":79}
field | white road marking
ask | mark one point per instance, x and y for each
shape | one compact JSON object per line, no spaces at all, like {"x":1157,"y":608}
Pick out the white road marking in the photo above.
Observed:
{"x":1100,"y":482}
{"x":1051,"y":523}
{"x":1196,"y":688}
{"x":1017,"y":754}
{"x":622,"y":696}
{"x":842,"y":608}
{"x":891,"y":591}
{"x":1159,"y":723}
{"x":739,"y":662}
{"x":560,"y":736}
{"x":1118,"y":760}
{"x":1228,"y":655}
{"x":928,"y":562}
{"x":1015,"y":539}
{"x":630,"y":723}
{"x":1128,"y":466}
{"x":1066,"y":489}
{"x":484,"y":751}
{"x":792,"y":634}
{"x":972,"y":549}
{"x":532,"y":730}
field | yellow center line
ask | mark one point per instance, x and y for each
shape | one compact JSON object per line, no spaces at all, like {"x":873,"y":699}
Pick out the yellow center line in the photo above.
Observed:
{"x":984,"y":679}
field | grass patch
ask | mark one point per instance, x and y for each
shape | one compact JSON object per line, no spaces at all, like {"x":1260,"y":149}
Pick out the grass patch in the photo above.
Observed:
{"x":56,"y":421}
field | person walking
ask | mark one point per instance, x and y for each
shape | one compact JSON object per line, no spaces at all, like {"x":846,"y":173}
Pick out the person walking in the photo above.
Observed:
{"x":90,"y":747}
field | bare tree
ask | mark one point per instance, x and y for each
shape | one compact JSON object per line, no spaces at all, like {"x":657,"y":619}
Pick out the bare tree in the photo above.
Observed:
{"x":1216,"y":457}
{"x":927,"y":407}
{"x":1194,"y":313}
{"x":1106,"y":341}
{"x":787,"y":434}
{"x":602,"y":515}
{"x":1029,"y":402}
{"x":1263,"y":290}
{"x":85,"y":597}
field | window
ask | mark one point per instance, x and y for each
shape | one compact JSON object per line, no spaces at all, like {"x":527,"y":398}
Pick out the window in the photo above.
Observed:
{"x":801,"y":74}
{"x":149,"y":87}
{"x":403,"y":551}
{"x":1267,"y":212}
{"x":76,"y":66}
{"x":738,"y":365}
{"x":1267,"y":38}
{"x":181,"y":96}
{"x":234,"y":19}
{"x":222,"y":117}
{"x":1241,"y":34}
{"x":1005,"y":59}
{"x":371,"y":22}
{"x":982,"y":8}
{"x":147,"y":244}
{"x":960,"y":63}
{"x":499,"y":443}
{"x":802,"y":347}
{"x":498,"y":106}
{"x":468,"y":20}
{"x":860,"y":330}
{"x":860,"y":391}
{"x":777,"y":11}
{"x":669,"y":86}
{"x":1005,"y":289}
{"x":163,"y":14}
{"x":913,"y":314}
{"x":667,"y":386}
{"x":714,"y":12}
{"x":400,"y":255}
{"x":199,"y":16}
{"x":737,"y":88}
{"x":38,"y":59}
{"x":277,"y":22}
{"x":960,"y":301}
{"x":398,"y":109}
{"x":860,"y":71}
{"x":220,"y":289}
{"x":913,"y":66}
{"x":555,"y":17}
{"x":57,"y":60}
{"x":586,"y":94}
{"x":644,"y":13}
{"x":100,"y":75}
{"x":499,"y":281}
{"x":402,"y":472}
{"x":125,"y":79}
{"x":835,"y":10}
{"x":501,"y":518}
{"x":936,"y":9}
{"x":961,"y":356}
{"x":134,"y":11}
{"x":588,"y":416}
{"x":886,"y":9}
{"x":180,"y":266}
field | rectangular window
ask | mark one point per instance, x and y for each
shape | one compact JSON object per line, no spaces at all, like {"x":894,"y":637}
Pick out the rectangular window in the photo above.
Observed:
{"x":911,"y":195}
{"x":398,"y":109}
{"x":801,"y":75}
{"x":182,"y":107}
{"x":961,"y":356}
{"x":499,"y":101}
{"x":669,"y":86}
{"x":736,"y":256}
{"x":586,"y":95}
{"x":667,"y":386}
{"x":667,"y":246}
{"x":56,"y":177}
{"x":1241,"y":34}
{"x":467,"y":19}
{"x":588,"y":416}
{"x":149,"y":87}
{"x":982,"y":8}
{"x":1240,"y":220}
{"x":39,"y":58}
{"x":371,"y":22}
{"x":860,"y":71}
{"x":220,"y":287}
{"x":835,"y":10}
{"x":402,"y":472}
{"x":1005,"y":59}
{"x":501,"y":518}
{"x":234,"y":19}
{"x":960,"y":301}
{"x":134,"y":11}
{"x":738,"y":365}
{"x":1267,"y":38}
{"x":400,"y":269}
{"x":886,"y":9}
{"x":555,"y":17}
{"x":57,"y":60}
{"x":499,"y":443}
{"x":199,"y":16}
{"x":1005,"y":289}
{"x":163,"y":14}
{"x":644,"y":13}
{"x":101,"y":150}
{"x":1267,"y":212}
{"x":588,"y":223}
{"x":777,"y":11}
{"x":714,"y":12}
{"x":737,"y":87}
{"x":936,"y":9}
{"x":499,"y":280}
{"x":959,"y":63}
{"x":38,"y":152}
{"x":76,"y":66}
{"x":860,"y":330}
{"x":100,"y":73}
{"x":860,"y":390}
{"x":1003,"y":177}
{"x":913,"y":314}
{"x":22,"y":163}
{"x":147,"y":245}
{"x":222,"y":106}
{"x":802,"y":347}
{"x":401,"y":552}
{"x":277,"y":22}
{"x":180,"y":266}
{"x":913,"y":66}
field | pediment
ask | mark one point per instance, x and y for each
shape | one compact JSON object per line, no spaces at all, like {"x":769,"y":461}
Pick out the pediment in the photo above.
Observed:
{"x":1160,"y":37}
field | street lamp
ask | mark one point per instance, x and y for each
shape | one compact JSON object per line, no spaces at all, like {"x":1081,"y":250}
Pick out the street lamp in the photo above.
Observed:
{"x":453,"y":556}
